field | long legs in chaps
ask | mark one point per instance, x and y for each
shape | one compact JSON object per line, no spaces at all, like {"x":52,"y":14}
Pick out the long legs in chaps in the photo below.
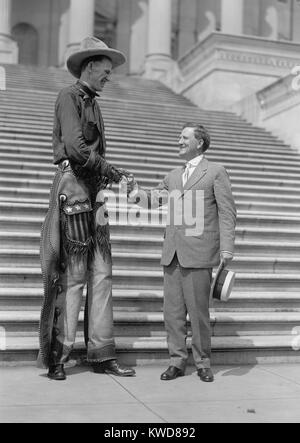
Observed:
{"x":76,"y":247}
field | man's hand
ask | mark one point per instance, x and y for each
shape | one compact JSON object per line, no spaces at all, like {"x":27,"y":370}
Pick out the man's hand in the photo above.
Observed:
{"x":128,"y":182}
{"x":226,"y":257}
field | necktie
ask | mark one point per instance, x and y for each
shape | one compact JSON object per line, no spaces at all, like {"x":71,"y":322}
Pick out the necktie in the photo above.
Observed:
{"x":186,"y":174}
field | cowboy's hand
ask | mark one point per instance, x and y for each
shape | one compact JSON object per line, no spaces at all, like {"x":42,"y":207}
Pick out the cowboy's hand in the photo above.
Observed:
{"x":125,"y":174}
{"x":226,"y":257}
{"x":131,"y":184}
{"x":134,"y":193}
{"x":128,"y":184}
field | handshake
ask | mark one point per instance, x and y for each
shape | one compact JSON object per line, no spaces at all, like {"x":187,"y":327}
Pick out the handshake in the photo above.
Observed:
{"x":128,"y":183}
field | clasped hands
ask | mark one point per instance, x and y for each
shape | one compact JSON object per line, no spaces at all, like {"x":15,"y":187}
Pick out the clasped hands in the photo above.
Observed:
{"x":129,"y":181}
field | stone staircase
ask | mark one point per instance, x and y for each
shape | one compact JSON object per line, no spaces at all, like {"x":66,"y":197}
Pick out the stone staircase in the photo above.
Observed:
{"x":260,"y":323}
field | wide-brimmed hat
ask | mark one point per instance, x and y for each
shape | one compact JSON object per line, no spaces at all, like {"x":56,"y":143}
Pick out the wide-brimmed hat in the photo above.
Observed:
{"x":223,"y":284}
{"x":92,"y":47}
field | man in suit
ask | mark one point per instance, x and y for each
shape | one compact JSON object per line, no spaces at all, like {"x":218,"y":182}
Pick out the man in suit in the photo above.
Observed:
{"x":193,"y":245}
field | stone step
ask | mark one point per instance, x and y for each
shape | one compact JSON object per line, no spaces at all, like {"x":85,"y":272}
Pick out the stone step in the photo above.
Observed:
{"x":16,"y":180}
{"x":24,"y":299}
{"x":120,"y":150}
{"x":30,"y":125}
{"x":146,"y":350}
{"x":160,"y":170}
{"x":120,"y":108}
{"x":140,"y":152}
{"x":165,"y":161}
{"x":151,"y":324}
{"x":153,"y":244}
{"x":241,"y":192}
{"x":119,"y":209}
{"x":275,"y":178}
{"x":141,"y":105}
{"x":130,"y":300}
{"x":255,"y":142}
{"x":34,"y":224}
{"x":146,"y":279}
{"x":115,"y":128}
{"x":256,"y":213}
{"x":126,"y":92}
{"x":150,"y":261}
{"x":169,"y":114}
{"x":124,"y":119}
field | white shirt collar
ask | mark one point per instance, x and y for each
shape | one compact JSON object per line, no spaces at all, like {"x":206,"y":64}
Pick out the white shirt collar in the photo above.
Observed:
{"x":195,"y":161}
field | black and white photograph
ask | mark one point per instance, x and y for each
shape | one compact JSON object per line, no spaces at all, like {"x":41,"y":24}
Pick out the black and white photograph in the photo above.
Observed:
{"x":149,"y":214}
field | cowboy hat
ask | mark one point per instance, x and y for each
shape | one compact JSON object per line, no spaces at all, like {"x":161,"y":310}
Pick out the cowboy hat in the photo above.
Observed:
{"x":93,"y":47}
{"x":223,"y":283}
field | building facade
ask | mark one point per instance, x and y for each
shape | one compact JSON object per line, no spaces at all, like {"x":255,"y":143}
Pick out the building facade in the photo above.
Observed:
{"x":239,"y":55}
{"x":43,"y":32}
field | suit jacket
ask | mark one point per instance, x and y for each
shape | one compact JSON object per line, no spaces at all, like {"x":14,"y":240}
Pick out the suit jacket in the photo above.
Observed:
{"x":207,"y":201}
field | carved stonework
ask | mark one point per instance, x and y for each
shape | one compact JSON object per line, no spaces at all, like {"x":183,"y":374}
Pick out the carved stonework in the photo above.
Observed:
{"x":241,"y":51}
{"x":272,"y":19}
{"x":257,"y":59}
{"x":225,"y":69}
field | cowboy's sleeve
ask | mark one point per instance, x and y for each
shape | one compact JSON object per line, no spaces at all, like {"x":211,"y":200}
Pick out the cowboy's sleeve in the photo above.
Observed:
{"x":76,"y":147}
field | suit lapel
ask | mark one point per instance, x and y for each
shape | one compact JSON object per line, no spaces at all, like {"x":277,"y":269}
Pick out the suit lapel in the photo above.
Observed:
{"x":197,"y":175}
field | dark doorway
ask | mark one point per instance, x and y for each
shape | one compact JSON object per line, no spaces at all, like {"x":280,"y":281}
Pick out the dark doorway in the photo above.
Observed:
{"x":27,"y":38}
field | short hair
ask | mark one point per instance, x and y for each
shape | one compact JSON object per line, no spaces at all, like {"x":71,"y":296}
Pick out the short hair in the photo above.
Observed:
{"x":201,"y":133}
{"x":95,"y":58}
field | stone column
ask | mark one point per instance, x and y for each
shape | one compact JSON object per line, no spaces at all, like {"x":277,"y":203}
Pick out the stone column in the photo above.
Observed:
{"x":123,"y":32}
{"x":8,"y":47}
{"x":81,"y":23}
{"x":188,"y":25}
{"x":138,"y":36}
{"x":158,"y":59}
{"x":232,"y":16}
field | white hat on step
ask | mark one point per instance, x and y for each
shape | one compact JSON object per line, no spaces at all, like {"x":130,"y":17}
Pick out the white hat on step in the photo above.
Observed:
{"x":93,"y":47}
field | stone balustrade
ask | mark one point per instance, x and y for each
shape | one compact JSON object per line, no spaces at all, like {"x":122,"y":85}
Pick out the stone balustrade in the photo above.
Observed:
{"x":224,"y":69}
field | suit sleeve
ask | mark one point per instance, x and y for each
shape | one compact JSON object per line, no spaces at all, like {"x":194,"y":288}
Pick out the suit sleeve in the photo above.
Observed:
{"x":156,"y":197}
{"x":226,"y":210}
{"x":76,"y":147}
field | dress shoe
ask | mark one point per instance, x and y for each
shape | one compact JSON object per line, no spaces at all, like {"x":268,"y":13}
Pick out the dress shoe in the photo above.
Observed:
{"x":172,"y":373}
{"x":206,"y":375}
{"x":57,"y":373}
{"x":112,"y":367}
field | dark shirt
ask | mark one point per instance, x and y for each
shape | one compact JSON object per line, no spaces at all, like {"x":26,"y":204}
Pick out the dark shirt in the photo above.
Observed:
{"x":78,"y":133}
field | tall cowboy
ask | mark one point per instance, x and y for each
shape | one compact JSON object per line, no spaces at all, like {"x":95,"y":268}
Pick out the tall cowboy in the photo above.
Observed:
{"x":75,"y":245}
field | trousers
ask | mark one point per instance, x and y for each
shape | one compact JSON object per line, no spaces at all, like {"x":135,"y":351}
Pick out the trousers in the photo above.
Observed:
{"x":187,"y":291}
{"x":99,"y":310}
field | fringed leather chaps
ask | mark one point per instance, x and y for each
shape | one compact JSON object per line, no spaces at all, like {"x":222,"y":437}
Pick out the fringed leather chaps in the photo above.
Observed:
{"x":69,"y":231}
